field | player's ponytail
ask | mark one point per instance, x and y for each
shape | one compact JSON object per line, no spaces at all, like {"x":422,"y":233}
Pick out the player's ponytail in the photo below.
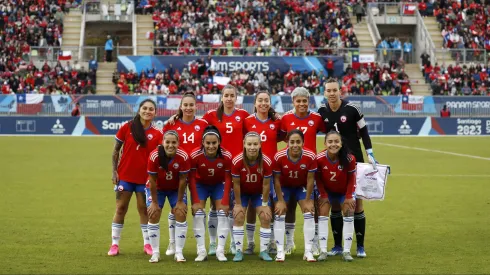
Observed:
{"x":271,"y":113}
{"x":213,"y":130}
{"x":180,"y":114}
{"x":137,"y":129}
{"x":221,"y":107}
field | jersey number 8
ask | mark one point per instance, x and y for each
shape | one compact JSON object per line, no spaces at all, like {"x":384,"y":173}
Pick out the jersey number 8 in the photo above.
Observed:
{"x":168,"y":176}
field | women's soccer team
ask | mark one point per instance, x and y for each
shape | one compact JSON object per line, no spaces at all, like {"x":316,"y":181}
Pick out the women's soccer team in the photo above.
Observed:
{"x":231,"y":157}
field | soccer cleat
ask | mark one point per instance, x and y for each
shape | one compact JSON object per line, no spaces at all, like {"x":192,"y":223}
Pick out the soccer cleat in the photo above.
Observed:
{"x":308,"y":256}
{"x":170,"y":249}
{"x":220,"y":255}
{"x":238,"y":256}
{"x":323,"y":256}
{"x":336,"y":250}
{"x":280,"y":256}
{"x":250,"y":249}
{"x":212,"y":249}
{"x":272,"y":248}
{"x":114,"y":251}
{"x":290,"y":249}
{"x":360,"y":252}
{"x":233,"y":248}
{"x":179,"y":258}
{"x":265,"y":256}
{"x":201,"y":256}
{"x":347,"y":257}
{"x":155,"y":258}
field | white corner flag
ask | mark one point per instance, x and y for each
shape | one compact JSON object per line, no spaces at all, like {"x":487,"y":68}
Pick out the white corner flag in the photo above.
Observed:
{"x":371,"y":183}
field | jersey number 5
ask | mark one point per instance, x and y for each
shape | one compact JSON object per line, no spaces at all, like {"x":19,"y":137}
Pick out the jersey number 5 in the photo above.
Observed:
{"x":229,"y":128}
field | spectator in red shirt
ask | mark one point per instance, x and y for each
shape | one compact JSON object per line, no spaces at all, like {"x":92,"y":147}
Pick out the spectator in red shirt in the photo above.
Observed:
{"x":76,"y":110}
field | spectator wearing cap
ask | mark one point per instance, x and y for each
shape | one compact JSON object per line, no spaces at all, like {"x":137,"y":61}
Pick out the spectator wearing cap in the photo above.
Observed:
{"x":108,"y":49}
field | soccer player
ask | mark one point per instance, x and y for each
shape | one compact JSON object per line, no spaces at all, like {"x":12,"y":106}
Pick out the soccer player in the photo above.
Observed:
{"x":346,"y":118}
{"x":294,"y":175}
{"x":252,"y":171}
{"x":129,"y":176}
{"x":167,"y":168}
{"x":310,"y":123}
{"x":265,"y":122}
{"x":190,"y":130}
{"x":210,"y":168}
{"x":336,"y":182}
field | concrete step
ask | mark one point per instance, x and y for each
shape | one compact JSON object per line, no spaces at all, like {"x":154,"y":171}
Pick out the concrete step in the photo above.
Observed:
{"x":144,"y":18}
{"x":71,"y":36}
{"x":363,"y":36}
{"x":72,"y":19}
{"x":104,"y":86}
{"x":72,"y":24}
{"x":144,"y":42}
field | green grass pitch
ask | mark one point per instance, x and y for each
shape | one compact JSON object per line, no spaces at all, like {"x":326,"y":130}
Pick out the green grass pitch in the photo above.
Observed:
{"x":57,"y":205}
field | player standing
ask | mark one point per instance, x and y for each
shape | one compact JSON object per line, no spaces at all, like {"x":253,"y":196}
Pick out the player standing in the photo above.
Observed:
{"x":265,"y":122}
{"x":294,"y":175}
{"x":252,"y":171}
{"x":210,"y":178}
{"x":139,"y":138}
{"x":347,"y":119}
{"x":310,"y":123}
{"x":167,"y":168}
{"x":336,"y":182}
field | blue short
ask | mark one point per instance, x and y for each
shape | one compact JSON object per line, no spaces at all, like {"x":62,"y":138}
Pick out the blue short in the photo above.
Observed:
{"x":254,"y":200}
{"x":272,"y":190}
{"x":130,"y":187}
{"x":172,"y":197}
{"x":316,"y":193}
{"x":336,"y":197}
{"x":298,"y":192}
{"x":215,"y":192}
{"x":232,"y":199}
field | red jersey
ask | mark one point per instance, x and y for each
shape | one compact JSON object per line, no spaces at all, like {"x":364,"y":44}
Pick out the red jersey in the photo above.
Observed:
{"x":268,"y":131}
{"x":251,"y":181}
{"x":294,"y":174}
{"x":134,"y":158}
{"x":209,"y":172}
{"x":168,"y":180}
{"x":190,"y":134}
{"x":311,"y":124}
{"x":332,"y":177}
{"x":230,"y":128}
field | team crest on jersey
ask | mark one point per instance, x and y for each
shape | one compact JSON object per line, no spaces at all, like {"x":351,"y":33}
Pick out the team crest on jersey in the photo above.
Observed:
{"x":176,"y":166}
{"x":343,"y":118}
{"x":340,"y":167}
{"x":311,"y":123}
{"x":237,"y":118}
{"x":302,"y":166}
{"x":197,"y":128}
{"x":150,"y":136}
{"x":120,"y":188}
{"x":219,"y":165}
{"x":272,"y":126}
{"x":259,"y":170}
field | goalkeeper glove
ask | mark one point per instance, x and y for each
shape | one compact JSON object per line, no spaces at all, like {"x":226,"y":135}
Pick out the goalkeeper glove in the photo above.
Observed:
{"x":372,"y":160}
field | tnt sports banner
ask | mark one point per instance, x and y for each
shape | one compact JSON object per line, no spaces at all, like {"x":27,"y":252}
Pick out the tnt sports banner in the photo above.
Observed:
{"x":85,"y":125}
{"x":233,"y":63}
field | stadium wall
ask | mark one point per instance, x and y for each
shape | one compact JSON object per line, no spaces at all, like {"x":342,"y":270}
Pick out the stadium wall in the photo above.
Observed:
{"x":99,"y":126}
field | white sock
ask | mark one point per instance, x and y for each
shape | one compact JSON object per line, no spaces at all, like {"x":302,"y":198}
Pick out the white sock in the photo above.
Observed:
{"x":348,"y":232}
{"x":154,"y":232}
{"x":265,"y":238}
{"x":323,"y":232}
{"x":238,"y":235}
{"x":231,"y":221}
{"x":199,"y":230}
{"x":309,"y":230}
{"x":223,"y":228}
{"x":171,"y":228}
{"x":250,"y":233}
{"x":279,"y":229}
{"x":116,"y":232}
{"x":144,"y":231}
{"x":290,"y":233}
{"x":316,"y":229}
{"x":212,"y":225}
{"x":181,"y":235}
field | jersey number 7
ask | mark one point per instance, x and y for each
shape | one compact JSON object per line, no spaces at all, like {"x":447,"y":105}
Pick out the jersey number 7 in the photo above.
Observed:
{"x":304,"y":129}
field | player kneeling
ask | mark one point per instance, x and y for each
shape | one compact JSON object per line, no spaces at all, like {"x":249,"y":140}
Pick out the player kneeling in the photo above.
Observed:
{"x":336,"y":182}
{"x":252,"y":172}
{"x":168,"y":167}
{"x":294,"y":174}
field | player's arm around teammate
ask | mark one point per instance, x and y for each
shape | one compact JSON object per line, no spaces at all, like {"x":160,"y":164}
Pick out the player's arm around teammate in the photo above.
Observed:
{"x":252,"y":171}
{"x":168,"y":167}
{"x":336,"y":182}
{"x":210,"y":178}
{"x":295,"y":166}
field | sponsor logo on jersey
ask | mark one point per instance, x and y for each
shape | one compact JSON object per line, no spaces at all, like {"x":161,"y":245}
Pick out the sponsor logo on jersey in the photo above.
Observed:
{"x":302,"y":166}
{"x":58,"y":128}
{"x":272,"y":126}
{"x":219,"y":165}
{"x":292,"y":123}
{"x":244,"y":170}
{"x":253,"y":127}
{"x":178,"y":129}
{"x":325,"y":167}
{"x":150,"y":137}
{"x":197,"y":128}
{"x":405,"y":129}
{"x":285,"y":166}
{"x":343,"y":118}
{"x":311,"y":122}
{"x":237,"y":118}
{"x":120,"y":188}
{"x":176,"y":166}
{"x":326,"y":120}
{"x":203,"y":165}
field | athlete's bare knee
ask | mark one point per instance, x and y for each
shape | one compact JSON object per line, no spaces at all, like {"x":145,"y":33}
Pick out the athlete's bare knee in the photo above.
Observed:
{"x":359,"y":206}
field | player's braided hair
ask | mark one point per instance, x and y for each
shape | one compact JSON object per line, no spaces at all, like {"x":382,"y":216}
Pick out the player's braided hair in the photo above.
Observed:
{"x":162,"y":155}
{"x":221,"y":107}
{"x":212,"y":130}
{"x":137,"y":129}
{"x":271,"y":113}
{"x":180,"y":114}
{"x":260,"y":157}
{"x":344,"y":152}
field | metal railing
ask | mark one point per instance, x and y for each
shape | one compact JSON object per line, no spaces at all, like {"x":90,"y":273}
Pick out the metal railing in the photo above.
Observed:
{"x":393,"y":13}
{"x":461,"y":56}
{"x":53,"y":54}
{"x":372,"y":26}
{"x":425,"y":37}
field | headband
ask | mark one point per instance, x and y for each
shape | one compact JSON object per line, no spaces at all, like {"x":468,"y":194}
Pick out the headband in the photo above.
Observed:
{"x":211,"y":132}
